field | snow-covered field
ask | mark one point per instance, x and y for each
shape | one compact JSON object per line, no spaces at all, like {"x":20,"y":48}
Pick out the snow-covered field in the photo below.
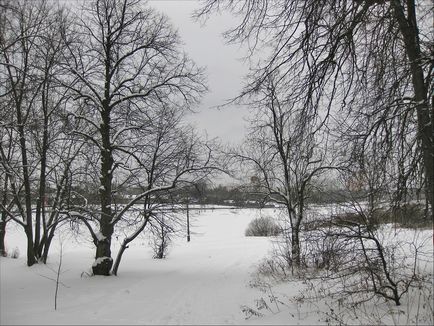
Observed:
{"x":205,"y":281}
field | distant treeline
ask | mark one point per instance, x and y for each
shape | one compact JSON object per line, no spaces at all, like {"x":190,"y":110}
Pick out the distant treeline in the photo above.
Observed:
{"x":243,"y":195}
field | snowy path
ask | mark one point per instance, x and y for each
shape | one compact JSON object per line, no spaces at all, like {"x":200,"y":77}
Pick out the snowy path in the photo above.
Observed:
{"x":201,"y":282}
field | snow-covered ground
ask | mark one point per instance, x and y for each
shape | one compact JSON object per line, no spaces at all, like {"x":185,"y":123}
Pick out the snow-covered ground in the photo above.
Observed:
{"x":201,"y":282}
{"x":205,"y":281}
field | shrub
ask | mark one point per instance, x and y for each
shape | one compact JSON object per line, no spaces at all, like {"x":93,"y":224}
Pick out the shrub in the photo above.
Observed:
{"x":262,"y":227}
{"x":160,"y":246}
{"x":161,"y":239}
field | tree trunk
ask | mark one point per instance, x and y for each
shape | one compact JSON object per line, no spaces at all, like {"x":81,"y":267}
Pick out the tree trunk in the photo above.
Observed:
{"x":125,"y":243}
{"x":3,"y":252}
{"x":3,"y":220}
{"x":103,"y":260}
{"x":295,"y":236}
{"x":295,"y":246}
{"x":46,"y":242}
{"x":409,"y":30}
{"x":31,"y":258}
{"x":124,"y":246}
{"x":40,"y":202}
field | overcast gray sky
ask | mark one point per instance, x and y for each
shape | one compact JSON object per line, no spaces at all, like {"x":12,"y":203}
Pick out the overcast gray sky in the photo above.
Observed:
{"x":225,"y":69}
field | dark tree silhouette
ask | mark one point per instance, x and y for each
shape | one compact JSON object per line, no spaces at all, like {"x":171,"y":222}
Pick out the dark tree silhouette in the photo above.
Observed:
{"x":132,"y":84}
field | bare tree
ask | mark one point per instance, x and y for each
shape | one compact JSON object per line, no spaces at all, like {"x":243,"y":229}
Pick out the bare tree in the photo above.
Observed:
{"x":6,"y":195}
{"x":362,"y":256}
{"x":32,"y":156}
{"x":173,"y":156}
{"x":3,"y":177}
{"x":331,"y":53}
{"x":359,"y":248}
{"x":128,"y":71}
{"x":17,"y":73}
{"x":283,"y":151}
{"x":358,"y":260}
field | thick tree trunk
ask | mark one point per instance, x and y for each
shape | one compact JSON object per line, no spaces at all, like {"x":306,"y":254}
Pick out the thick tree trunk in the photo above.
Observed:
{"x":31,"y":258}
{"x":103,"y":260}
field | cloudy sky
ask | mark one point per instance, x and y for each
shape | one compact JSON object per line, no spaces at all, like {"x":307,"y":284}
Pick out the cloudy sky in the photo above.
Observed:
{"x":224,"y":65}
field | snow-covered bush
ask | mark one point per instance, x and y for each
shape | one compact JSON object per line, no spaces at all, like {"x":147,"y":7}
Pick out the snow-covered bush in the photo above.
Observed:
{"x":273,"y":268}
{"x":263,"y":226}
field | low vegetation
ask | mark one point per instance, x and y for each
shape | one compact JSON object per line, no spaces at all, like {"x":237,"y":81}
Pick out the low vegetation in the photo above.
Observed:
{"x":263,"y":226}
